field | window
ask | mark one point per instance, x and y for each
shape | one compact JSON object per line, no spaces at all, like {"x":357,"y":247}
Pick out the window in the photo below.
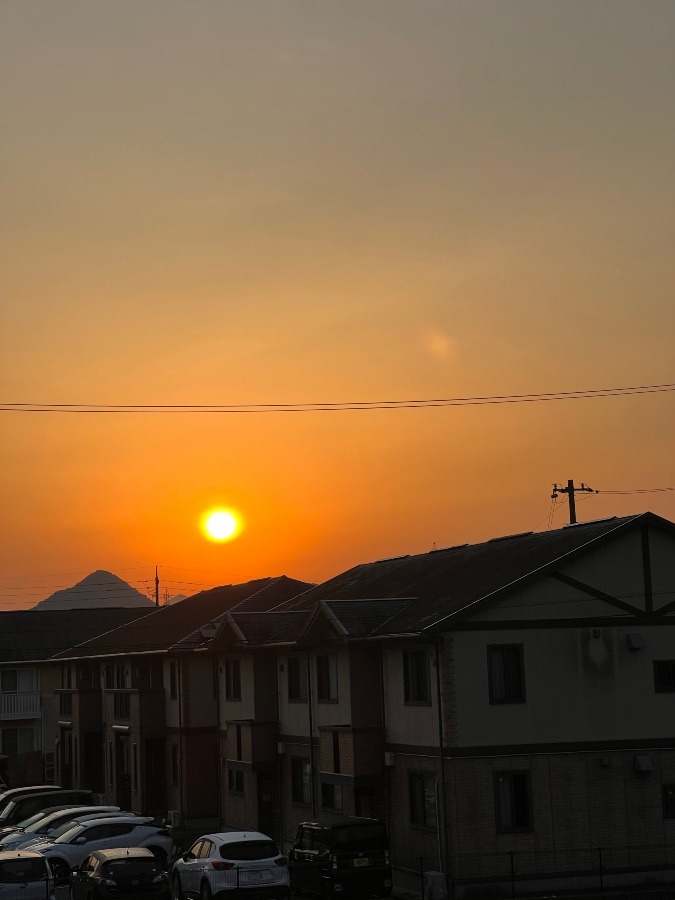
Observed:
{"x":326,"y":677}
{"x":235,"y":781}
{"x":13,"y":681}
{"x":664,"y":675}
{"x":297,"y":679}
{"x":67,"y":677}
{"x":668,"y":801}
{"x":15,"y":741}
{"x":416,"y":684}
{"x":173,"y":680}
{"x":232,"y":679}
{"x":336,"y":752}
{"x":422,"y":789}
{"x":115,"y":676}
{"x":506,"y":675}
{"x":331,"y":796}
{"x":512,"y":801}
{"x":122,"y":706}
{"x":300,"y":775}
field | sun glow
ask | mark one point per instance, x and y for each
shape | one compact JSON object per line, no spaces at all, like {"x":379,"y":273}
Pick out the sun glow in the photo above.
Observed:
{"x":221,"y":525}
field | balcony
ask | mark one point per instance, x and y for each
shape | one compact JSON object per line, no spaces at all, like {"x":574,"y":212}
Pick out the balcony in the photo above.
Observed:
{"x":20,"y":705}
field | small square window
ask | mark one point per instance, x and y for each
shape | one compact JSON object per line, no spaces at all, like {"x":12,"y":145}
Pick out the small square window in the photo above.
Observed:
{"x":506,"y":673}
{"x":235,"y":781}
{"x":513,"y":803}
{"x":664,"y":675}
{"x":331,"y":796}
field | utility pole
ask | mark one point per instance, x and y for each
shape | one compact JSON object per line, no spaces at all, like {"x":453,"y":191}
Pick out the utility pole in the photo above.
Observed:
{"x":570,"y":490}
{"x":156,"y":586}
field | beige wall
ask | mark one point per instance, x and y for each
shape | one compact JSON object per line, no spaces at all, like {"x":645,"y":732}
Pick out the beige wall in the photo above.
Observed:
{"x":578,"y":687}
{"x":238,"y":709}
{"x":407,"y":724}
{"x":294,"y":717}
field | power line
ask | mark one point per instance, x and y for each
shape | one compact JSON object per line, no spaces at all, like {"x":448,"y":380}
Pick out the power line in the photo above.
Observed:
{"x":325,"y":406}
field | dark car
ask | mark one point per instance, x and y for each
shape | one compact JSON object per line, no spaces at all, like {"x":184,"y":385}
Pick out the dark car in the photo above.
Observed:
{"x":119,"y":872}
{"x":21,"y":807}
{"x":349,"y":856}
{"x":6,"y":796}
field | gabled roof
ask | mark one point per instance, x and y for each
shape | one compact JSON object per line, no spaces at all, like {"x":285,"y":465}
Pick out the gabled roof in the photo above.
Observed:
{"x":260,"y":629}
{"x":445,"y":583}
{"x":255,"y":606}
{"x":35,"y":635}
{"x":160,"y":631}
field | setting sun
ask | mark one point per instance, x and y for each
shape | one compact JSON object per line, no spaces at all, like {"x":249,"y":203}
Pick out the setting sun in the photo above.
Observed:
{"x":221,"y":524}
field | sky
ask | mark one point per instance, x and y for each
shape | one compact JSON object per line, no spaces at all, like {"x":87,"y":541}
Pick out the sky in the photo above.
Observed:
{"x":320,"y":201}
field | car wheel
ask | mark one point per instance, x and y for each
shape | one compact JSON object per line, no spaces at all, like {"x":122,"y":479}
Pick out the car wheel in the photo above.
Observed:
{"x":160,"y":856}
{"x":60,"y":870}
{"x":176,"y":888}
{"x":205,"y":892}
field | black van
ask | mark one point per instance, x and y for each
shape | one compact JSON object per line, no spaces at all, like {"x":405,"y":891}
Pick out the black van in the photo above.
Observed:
{"x":348,"y":856}
{"x":23,"y":807}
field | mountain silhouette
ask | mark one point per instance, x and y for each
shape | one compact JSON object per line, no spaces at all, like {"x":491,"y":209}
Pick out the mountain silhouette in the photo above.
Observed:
{"x":100,"y":589}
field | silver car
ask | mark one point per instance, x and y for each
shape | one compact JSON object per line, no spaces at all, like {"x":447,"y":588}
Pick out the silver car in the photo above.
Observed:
{"x":25,"y":875}
{"x":52,"y":825}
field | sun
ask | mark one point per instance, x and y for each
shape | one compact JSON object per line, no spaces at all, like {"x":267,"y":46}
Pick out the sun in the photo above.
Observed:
{"x":221,"y":525}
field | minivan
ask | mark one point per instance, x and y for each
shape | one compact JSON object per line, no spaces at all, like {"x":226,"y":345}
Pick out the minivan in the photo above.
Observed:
{"x":27,"y":805}
{"x":347,"y":856}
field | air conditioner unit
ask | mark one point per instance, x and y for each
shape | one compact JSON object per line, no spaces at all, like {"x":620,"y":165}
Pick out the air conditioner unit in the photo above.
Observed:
{"x":174,"y":818}
{"x":389,"y":758}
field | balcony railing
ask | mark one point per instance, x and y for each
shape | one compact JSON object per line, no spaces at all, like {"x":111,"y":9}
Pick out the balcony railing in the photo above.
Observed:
{"x":22,"y":705}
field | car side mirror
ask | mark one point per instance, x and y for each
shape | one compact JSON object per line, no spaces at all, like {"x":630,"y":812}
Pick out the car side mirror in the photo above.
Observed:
{"x":81,"y":840}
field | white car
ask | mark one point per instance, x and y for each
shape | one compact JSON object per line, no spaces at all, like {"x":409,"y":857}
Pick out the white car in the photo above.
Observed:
{"x":51,"y":825}
{"x":240,"y":861}
{"x":69,"y":849}
{"x":25,"y":875}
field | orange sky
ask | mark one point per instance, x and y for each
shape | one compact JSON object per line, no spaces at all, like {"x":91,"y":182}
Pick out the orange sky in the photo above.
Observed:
{"x":299,"y":201}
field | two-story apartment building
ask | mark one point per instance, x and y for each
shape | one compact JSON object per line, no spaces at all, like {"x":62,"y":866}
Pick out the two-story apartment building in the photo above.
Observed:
{"x":156,"y":737}
{"x":524,"y":691}
{"x":29,"y":699}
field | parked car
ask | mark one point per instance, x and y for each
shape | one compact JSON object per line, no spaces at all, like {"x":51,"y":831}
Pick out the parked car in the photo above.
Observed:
{"x":83,"y":838}
{"x":8,"y":829}
{"x":123,"y":871}
{"x":41,"y":826}
{"x":25,"y":875}
{"x":350,"y":856}
{"x":10,"y":794}
{"x":216,"y":865}
{"x":22,"y":807}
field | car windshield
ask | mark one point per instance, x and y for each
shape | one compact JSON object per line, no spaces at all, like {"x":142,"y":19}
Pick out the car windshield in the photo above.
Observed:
{"x":18,"y":871}
{"x":361,"y":835}
{"x":7,"y":810}
{"x":249,"y":850}
{"x":64,"y":832}
{"x":30,"y":820}
{"x":117,"y":868}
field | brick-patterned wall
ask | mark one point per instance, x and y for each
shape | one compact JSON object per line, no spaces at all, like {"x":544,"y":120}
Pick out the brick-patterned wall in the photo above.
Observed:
{"x":580,"y":801}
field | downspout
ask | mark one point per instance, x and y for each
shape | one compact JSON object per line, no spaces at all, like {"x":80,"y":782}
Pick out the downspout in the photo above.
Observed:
{"x":312,"y":793}
{"x":445,"y":862}
{"x":219,"y":773}
{"x":181,"y":780}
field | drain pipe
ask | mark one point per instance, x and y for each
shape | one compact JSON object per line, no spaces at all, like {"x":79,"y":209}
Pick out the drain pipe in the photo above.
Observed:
{"x":444,"y":813}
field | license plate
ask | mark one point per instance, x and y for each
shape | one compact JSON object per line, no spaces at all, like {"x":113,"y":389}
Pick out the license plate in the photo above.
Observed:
{"x":362,"y":861}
